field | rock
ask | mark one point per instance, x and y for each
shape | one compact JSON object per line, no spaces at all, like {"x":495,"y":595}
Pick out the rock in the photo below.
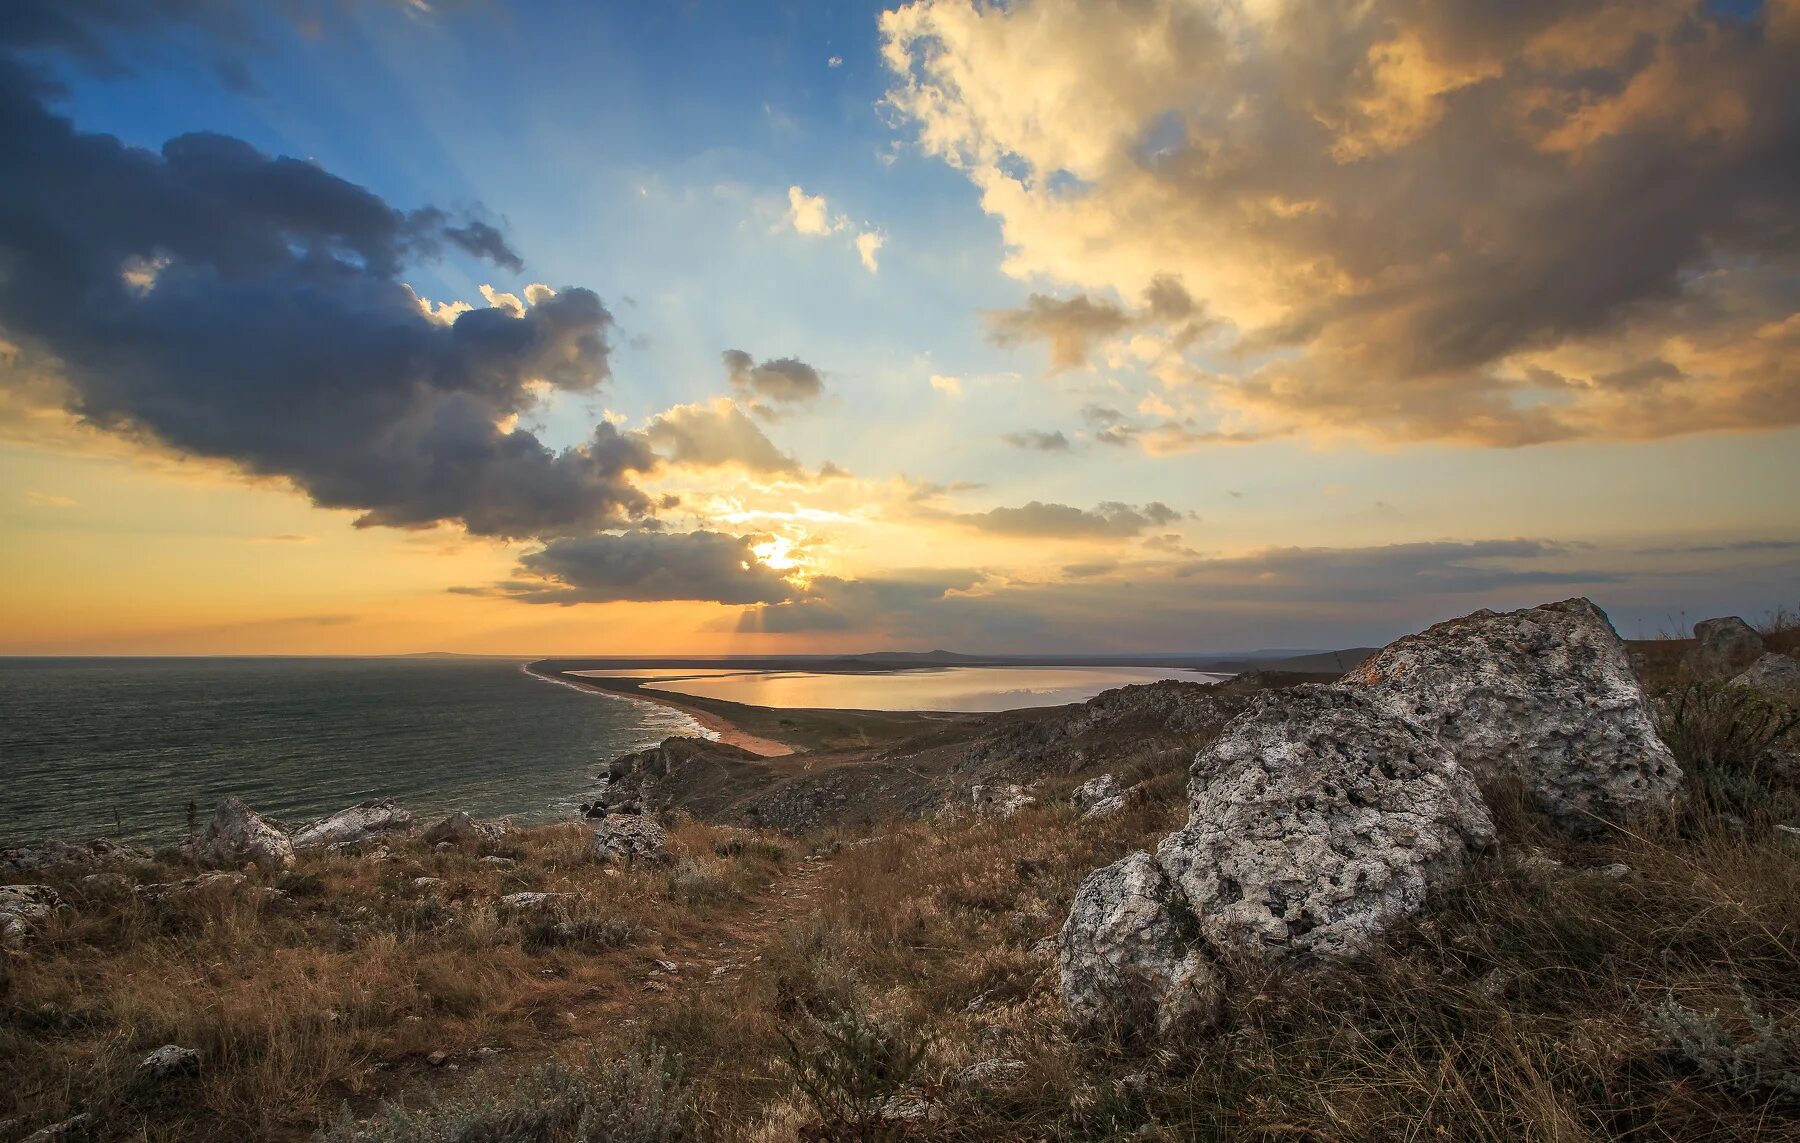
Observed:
{"x":526,"y":902}
{"x":666,"y":966}
{"x":1542,"y":696}
{"x":1105,"y":807}
{"x":497,"y":862}
{"x":1777,"y":676}
{"x":1094,"y":791}
{"x":991,"y":1073}
{"x":1125,"y":964}
{"x":911,"y":1107}
{"x":1000,"y":801}
{"x":96,"y":854}
{"x":1317,"y":820}
{"x":438,"y":1059}
{"x":106,"y":884}
{"x":1723,"y":648}
{"x":236,"y":835}
{"x":73,"y":1127}
{"x":630,"y":837}
{"x":169,"y":1061}
{"x":217,"y":882}
{"x":428,"y":882}
{"x":354,"y":824}
{"x":15,"y":931}
{"x":32,"y":902}
{"x":460,"y":830}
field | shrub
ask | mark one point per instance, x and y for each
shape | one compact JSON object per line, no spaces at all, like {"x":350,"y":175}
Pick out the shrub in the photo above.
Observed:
{"x":1753,"y":1055}
{"x":636,"y":1099}
{"x":1722,"y":735}
{"x":849,"y":1066}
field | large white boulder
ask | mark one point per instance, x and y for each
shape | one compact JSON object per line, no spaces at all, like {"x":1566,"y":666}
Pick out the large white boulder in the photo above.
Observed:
{"x":630,"y":837}
{"x":236,"y":835}
{"x":1126,"y":966}
{"x":1317,"y":820}
{"x":1543,"y":696}
{"x":1777,"y":676}
{"x":352,"y":824}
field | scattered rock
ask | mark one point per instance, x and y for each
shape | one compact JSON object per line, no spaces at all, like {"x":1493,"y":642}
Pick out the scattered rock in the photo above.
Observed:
{"x":106,"y":884}
{"x":438,"y":1058}
{"x":169,"y":1061}
{"x":354,"y":824}
{"x":1777,"y":676}
{"x":1105,"y":807}
{"x":1125,"y":963}
{"x":96,"y":854}
{"x":220,"y":882}
{"x":1723,"y":647}
{"x":1317,"y":820}
{"x":70,"y":1128}
{"x":523,"y":902}
{"x":33,"y":902}
{"x":1543,"y":696}
{"x":1616,"y":871}
{"x":497,"y":862}
{"x":1000,"y":801}
{"x":992,"y":1073}
{"x":428,"y":882}
{"x":236,"y":835}
{"x":911,"y":1107}
{"x":15,"y":931}
{"x":630,"y":837}
{"x":460,"y":830}
{"x":1094,"y":791}
{"x":666,"y":966}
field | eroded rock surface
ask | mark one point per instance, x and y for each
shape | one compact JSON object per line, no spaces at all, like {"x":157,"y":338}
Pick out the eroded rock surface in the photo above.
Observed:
{"x":1317,"y":820}
{"x":97,"y":854}
{"x":630,"y":837}
{"x":169,"y":1061}
{"x":1777,"y":676}
{"x":1094,"y":791}
{"x":460,"y":830}
{"x":1126,"y":965}
{"x":236,"y":835}
{"x":1543,"y":696}
{"x":1723,"y":647}
{"x":352,"y":824}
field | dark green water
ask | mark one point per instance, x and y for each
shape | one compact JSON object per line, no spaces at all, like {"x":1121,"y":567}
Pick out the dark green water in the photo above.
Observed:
{"x":84,"y":739}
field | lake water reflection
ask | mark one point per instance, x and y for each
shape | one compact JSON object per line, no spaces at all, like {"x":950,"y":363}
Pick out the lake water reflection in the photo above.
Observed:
{"x":965,"y":689}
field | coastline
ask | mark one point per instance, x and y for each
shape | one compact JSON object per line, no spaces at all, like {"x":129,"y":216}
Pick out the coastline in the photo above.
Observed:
{"x":721,"y":728}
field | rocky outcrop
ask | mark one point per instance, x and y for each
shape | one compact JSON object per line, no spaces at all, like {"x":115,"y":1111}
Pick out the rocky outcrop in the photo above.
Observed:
{"x":1093,"y":791}
{"x":630,"y":837}
{"x":1543,"y":696}
{"x":23,"y":909}
{"x":1126,"y":965}
{"x":236,"y":836}
{"x":169,"y":1061}
{"x":354,"y":824}
{"x":1723,"y":648}
{"x":1777,"y":676}
{"x":1317,"y":820}
{"x":98,"y":854}
{"x":460,"y":830}
{"x":1001,"y":801}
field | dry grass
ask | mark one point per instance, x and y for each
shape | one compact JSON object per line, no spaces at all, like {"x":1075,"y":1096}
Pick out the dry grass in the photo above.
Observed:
{"x":339,"y":989}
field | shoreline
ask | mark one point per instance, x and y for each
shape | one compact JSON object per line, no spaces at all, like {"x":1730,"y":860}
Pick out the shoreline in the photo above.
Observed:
{"x":721,"y":727}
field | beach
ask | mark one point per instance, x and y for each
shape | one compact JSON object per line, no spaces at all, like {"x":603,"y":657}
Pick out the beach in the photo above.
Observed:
{"x":716,"y":725}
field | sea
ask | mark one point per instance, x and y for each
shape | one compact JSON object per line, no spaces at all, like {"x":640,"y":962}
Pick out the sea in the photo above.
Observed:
{"x":121,"y":747}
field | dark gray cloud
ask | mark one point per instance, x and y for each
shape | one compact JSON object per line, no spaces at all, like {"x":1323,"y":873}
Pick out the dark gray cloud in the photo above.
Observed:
{"x":1108,"y":521}
{"x":1073,"y":326}
{"x":1037,"y":440}
{"x":784,"y":380}
{"x":644,"y":566}
{"x":249,"y":308}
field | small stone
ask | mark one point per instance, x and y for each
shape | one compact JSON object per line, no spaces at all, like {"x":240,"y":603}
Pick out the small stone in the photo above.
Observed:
{"x":168,"y":1061}
{"x":438,"y":1058}
{"x":667,"y":966}
{"x":522,"y":902}
{"x":71,"y":1128}
{"x":428,"y":882}
{"x":992,"y":1073}
{"x":496,"y":862}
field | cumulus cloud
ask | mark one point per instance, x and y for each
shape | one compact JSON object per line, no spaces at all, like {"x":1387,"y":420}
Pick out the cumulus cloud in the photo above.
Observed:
{"x":868,"y":244}
{"x":1074,"y":327}
{"x":644,"y":566}
{"x":1108,"y":521}
{"x":717,"y":435}
{"x":811,"y":214}
{"x":1037,"y":440}
{"x":784,"y":380}
{"x":877,"y":603}
{"x":949,"y":386}
{"x":229,"y":304}
{"x":1497,"y":224}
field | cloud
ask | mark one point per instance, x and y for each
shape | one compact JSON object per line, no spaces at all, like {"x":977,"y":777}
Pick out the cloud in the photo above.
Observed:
{"x":784,"y":380}
{"x":1110,"y":520}
{"x":1037,"y":440}
{"x":811,"y":214}
{"x":868,"y":243}
{"x":717,"y":435}
{"x":37,"y":499}
{"x":835,"y":61}
{"x":880,"y":603}
{"x":229,"y":304}
{"x":1073,"y":327}
{"x":644,"y":567}
{"x":285,"y":538}
{"x":949,"y":386}
{"x":1500,"y":225}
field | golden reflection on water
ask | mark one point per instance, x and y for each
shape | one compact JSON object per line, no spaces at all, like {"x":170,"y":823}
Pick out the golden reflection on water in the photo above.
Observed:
{"x":929,"y":688}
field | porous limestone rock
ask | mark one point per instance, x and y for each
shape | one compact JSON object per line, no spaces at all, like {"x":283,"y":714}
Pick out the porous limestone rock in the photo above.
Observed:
{"x":460,"y":830}
{"x":22,"y":908}
{"x":97,"y":854}
{"x":1094,"y":790}
{"x":1106,"y":807}
{"x":352,"y":824}
{"x":528,"y":902}
{"x":1000,"y":801}
{"x":1777,"y":676}
{"x":1126,"y":965}
{"x":1317,"y":820}
{"x":630,"y":837}
{"x":1723,"y":647}
{"x":169,"y":1061}
{"x":236,"y":835}
{"x":1543,"y":696}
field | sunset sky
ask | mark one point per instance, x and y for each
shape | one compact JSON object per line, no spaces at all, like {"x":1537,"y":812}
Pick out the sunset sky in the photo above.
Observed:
{"x":1057,"y":325}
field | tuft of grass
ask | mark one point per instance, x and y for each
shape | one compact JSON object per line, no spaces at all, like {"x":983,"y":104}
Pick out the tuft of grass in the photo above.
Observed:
{"x":1724,"y":738}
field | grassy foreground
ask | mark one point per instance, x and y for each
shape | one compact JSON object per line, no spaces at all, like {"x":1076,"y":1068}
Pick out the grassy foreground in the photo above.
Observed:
{"x":1643,"y":984}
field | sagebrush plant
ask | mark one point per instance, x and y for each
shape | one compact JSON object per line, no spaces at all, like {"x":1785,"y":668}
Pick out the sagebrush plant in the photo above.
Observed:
{"x":849,"y":1066}
{"x":1752,"y":1053}
{"x":637,"y":1098}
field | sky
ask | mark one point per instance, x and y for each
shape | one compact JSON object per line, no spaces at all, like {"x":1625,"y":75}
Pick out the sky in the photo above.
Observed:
{"x":331,"y":327}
